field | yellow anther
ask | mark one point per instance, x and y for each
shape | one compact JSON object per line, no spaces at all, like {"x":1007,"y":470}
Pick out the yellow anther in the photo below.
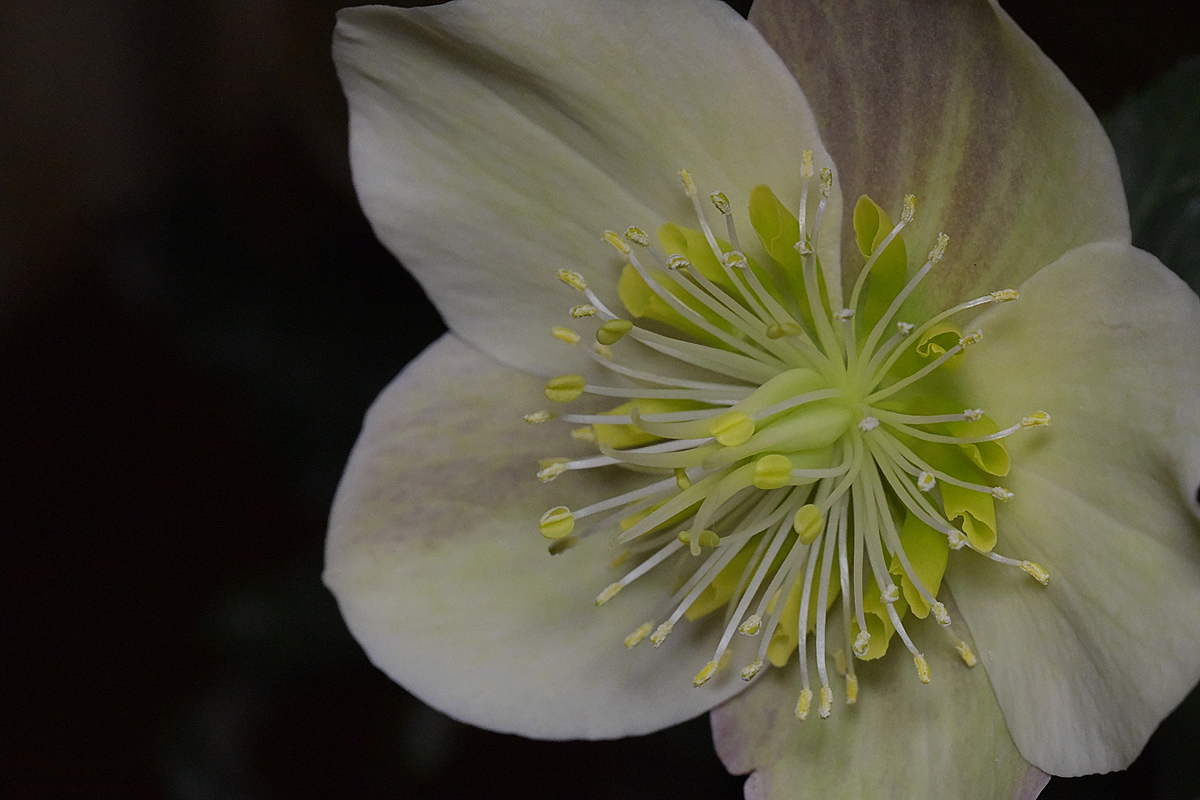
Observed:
{"x":552,"y":471}
{"x":565,"y":334}
{"x":778,"y":330}
{"x":539,"y":417}
{"x":732,"y":428}
{"x":939,"y":249}
{"x":1005,"y":295}
{"x":940,"y":613}
{"x":585,"y":434}
{"x":772,"y":471}
{"x":862,"y":643}
{"x":720,"y":201}
{"x":1001,"y":494}
{"x":564,"y":388}
{"x":562,"y":545}
{"x":868,"y":424}
{"x":677,"y":261}
{"x":803,"y":704}
{"x":689,"y":185}
{"x":1038,"y":419}
{"x":904,"y":328}
{"x":926,"y":481}
{"x":637,"y":236}
{"x":557,"y":522}
{"x":1036,"y":572}
{"x":972,"y":414}
{"x":635,"y":638}
{"x":826,"y":706}
{"x":964,"y":652}
{"x":612,"y":331}
{"x":682,"y":480}
{"x":585,"y":310}
{"x":572,"y":279}
{"x":804,"y":247}
{"x":910,"y":208}
{"x":752,"y":669}
{"x":808,"y":523}
{"x":844,"y":315}
{"x":706,"y":672}
{"x":968,"y":339}
{"x":617,"y":242}
{"x":839,"y":661}
{"x":922,"y":667}
{"x":661,"y":633}
{"x":891,"y":594}
{"x":609,"y":593}
{"x":751,"y":626}
{"x":957,"y":539}
{"x":735,"y":259}
{"x":851,"y":689}
{"x":826,"y":181}
{"x":806,"y":165}
{"x":602,"y":350}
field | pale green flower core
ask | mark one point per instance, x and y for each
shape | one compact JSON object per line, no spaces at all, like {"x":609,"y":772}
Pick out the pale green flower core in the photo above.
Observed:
{"x":828,"y":464}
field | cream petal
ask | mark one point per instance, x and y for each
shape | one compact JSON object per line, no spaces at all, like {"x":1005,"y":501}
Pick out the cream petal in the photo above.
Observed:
{"x":439,"y":570}
{"x":1106,"y":341}
{"x":901,"y":740}
{"x":950,"y":101}
{"x":492,"y":141}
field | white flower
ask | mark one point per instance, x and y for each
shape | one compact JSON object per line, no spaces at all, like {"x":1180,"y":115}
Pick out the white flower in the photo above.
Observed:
{"x":492,"y":144}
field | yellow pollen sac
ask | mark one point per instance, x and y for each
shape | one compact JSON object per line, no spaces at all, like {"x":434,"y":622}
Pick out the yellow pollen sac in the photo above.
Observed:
{"x":868,"y":424}
{"x":585,"y":434}
{"x":808,"y":523}
{"x":922,"y":667}
{"x":1002,"y":494}
{"x":721,"y":202}
{"x":572,"y":279}
{"x":772,"y":471}
{"x":826,"y":702}
{"x":803,"y":704}
{"x":617,"y":242}
{"x":706,"y":672}
{"x":806,"y":166}
{"x":778,"y":330}
{"x":964,"y":652}
{"x":557,"y":522}
{"x":677,"y":261}
{"x":585,"y":310}
{"x":862,"y":643}
{"x":926,"y":481}
{"x":1036,"y":572}
{"x":609,"y":593}
{"x":637,"y":236}
{"x":635,"y":638}
{"x":752,"y":669}
{"x":707,"y":538}
{"x":552,"y":471}
{"x":682,"y":481}
{"x":1005,"y":295}
{"x":564,"y":388}
{"x":974,"y":337}
{"x":613,"y":331}
{"x":565,"y":334}
{"x":1038,"y":419}
{"x":940,"y":614}
{"x":661,"y":633}
{"x":910,"y":208}
{"x":939,"y":249}
{"x":751,"y":626}
{"x":539,"y":417}
{"x":851,"y":689}
{"x":689,"y":185}
{"x":733,"y":428}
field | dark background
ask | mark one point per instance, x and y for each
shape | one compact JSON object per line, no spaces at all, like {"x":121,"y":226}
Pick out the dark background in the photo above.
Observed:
{"x":193,"y":317}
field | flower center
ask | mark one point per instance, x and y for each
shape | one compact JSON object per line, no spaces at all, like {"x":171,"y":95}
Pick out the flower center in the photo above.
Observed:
{"x":803,"y":455}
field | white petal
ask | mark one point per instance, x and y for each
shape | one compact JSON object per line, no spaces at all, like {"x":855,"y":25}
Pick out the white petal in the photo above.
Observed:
{"x":439,"y":570}
{"x":1106,"y":341}
{"x":952,"y":102}
{"x":492,"y":142}
{"x":941,"y":741}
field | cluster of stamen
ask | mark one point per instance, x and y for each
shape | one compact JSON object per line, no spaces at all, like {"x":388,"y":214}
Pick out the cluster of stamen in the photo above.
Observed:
{"x":799,"y":475}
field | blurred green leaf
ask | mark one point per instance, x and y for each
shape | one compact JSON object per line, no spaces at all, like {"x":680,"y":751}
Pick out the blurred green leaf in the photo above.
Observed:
{"x":1156,"y":134}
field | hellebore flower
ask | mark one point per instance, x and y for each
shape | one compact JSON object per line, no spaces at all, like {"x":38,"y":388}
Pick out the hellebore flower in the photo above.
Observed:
{"x":776,"y":444}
